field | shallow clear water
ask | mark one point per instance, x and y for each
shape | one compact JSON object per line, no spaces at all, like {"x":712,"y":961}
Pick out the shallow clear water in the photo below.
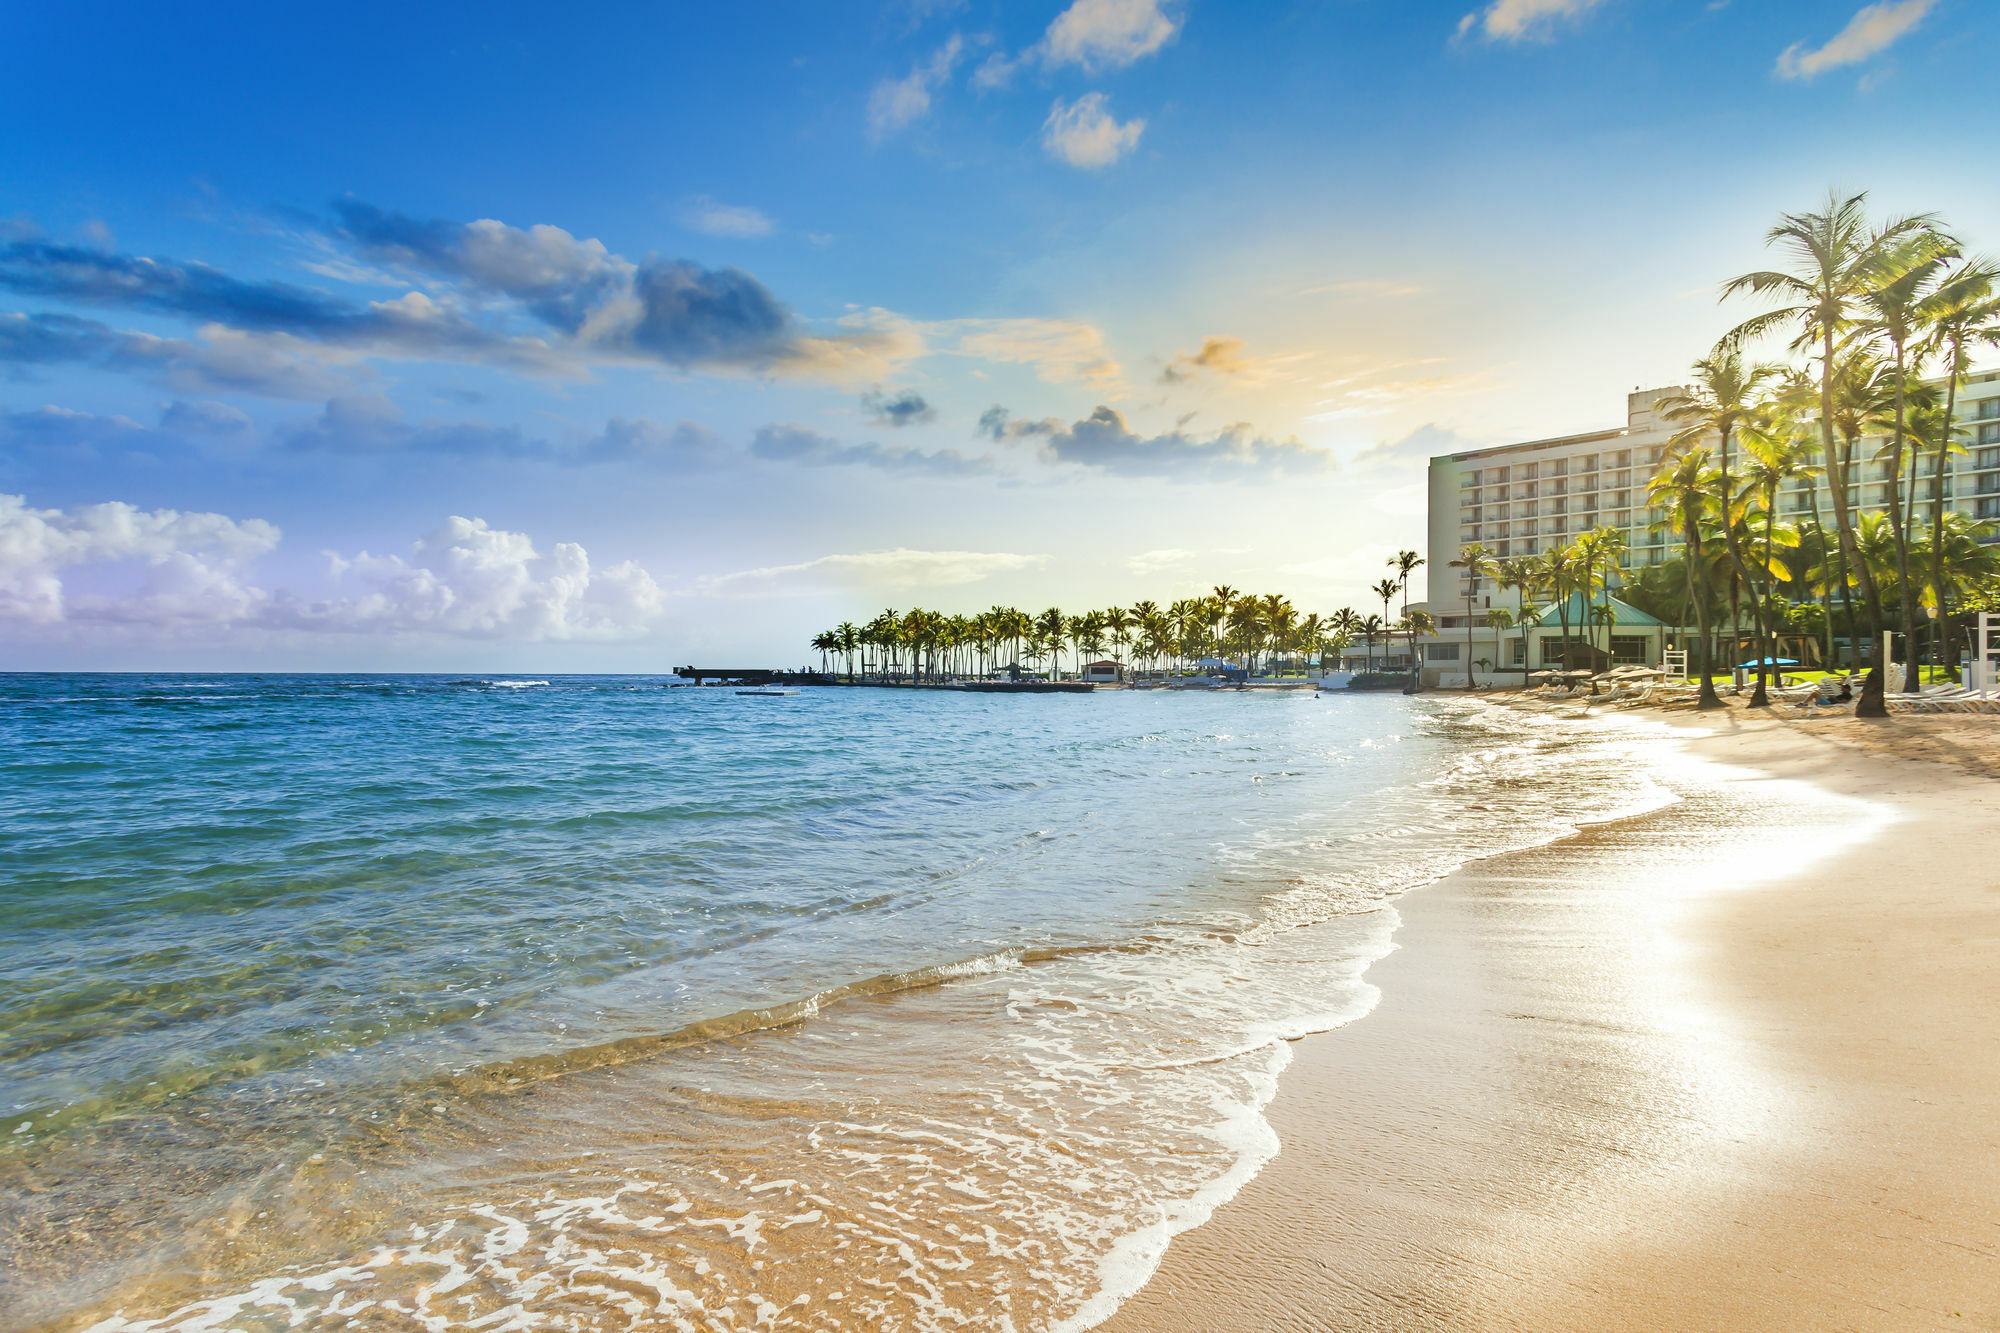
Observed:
{"x":398,"y":1001}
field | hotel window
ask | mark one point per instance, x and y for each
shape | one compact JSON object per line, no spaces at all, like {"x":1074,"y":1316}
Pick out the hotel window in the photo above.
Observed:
{"x":1530,"y":471}
{"x":1629,"y":649}
{"x":1990,"y":434}
{"x":1587,"y":463}
{"x":1440,"y":652}
{"x":1621,"y":458}
{"x":1558,"y":466}
{"x":1989,"y":458}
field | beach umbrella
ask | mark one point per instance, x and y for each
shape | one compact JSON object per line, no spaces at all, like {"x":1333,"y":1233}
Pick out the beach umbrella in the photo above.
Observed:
{"x":1755,"y":662}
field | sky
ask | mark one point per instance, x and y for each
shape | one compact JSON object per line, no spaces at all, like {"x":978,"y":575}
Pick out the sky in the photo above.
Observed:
{"x":608,"y":337}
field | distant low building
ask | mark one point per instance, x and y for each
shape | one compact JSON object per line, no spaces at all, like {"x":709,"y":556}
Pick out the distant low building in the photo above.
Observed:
{"x":1106,"y":672}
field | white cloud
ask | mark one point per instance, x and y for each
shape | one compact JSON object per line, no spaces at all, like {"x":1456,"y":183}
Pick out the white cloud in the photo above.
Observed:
{"x":470,"y":579}
{"x":1084,"y":133}
{"x":1872,"y":30}
{"x":897,"y":103}
{"x":1175,"y":557}
{"x":1523,"y":20}
{"x":1220,"y":356}
{"x":712,"y":217}
{"x":1108,"y":34}
{"x":188,"y":561}
{"x":898,"y":568}
{"x":1062,"y":351}
{"x":161,"y":570}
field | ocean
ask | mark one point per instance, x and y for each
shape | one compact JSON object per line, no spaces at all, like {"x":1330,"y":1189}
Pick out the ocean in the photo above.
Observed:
{"x":580,"y":1003}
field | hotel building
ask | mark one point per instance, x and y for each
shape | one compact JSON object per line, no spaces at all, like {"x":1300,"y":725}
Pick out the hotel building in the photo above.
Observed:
{"x":1521,"y":499}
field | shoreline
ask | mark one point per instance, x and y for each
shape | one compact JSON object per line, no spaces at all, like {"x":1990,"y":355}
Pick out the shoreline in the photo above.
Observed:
{"x":1742,"y":1106}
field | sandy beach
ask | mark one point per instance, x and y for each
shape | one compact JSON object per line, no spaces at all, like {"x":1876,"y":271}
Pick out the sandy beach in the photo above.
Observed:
{"x":1729,"y":1066}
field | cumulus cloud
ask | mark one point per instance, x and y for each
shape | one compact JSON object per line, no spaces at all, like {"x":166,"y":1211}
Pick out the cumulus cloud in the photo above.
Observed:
{"x":1094,"y":34}
{"x":1872,"y":30}
{"x":1221,"y":356}
{"x":472,"y":580}
{"x":904,"y":407}
{"x":1108,"y":34}
{"x":898,"y":568}
{"x":792,"y":443}
{"x":117,"y":565}
{"x":189,"y":563}
{"x":1523,"y":20}
{"x":1085,"y":134}
{"x":897,"y":103}
{"x":534,"y":299}
{"x":711,"y":217}
{"x":1104,"y":441}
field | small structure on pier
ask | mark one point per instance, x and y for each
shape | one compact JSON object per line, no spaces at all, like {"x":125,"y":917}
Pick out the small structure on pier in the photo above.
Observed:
{"x":744,"y":675}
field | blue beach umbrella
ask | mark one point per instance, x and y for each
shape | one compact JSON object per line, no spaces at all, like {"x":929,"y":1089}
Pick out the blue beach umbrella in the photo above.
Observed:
{"x":1756,"y":662}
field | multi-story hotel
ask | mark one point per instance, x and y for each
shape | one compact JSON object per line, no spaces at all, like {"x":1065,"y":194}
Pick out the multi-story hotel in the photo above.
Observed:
{"x":1520,"y":499}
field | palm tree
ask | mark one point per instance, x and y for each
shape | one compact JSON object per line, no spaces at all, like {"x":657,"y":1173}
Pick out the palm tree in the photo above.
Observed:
{"x":1413,"y":624}
{"x":1963,"y":313}
{"x":1724,"y":400}
{"x":1049,"y":627}
{"x":1499,"y":619}
{"x":1345,"y":625}
{"x":1684,"y":489}
{"x":1837,"y":258}
{"x":1372,"y":628}
{"x":1907,"y":274}
{"x":1599,"y":549}
{"x":1522,"y":575}
{"x":1405,"y":563}
{"x":1477,"y":562}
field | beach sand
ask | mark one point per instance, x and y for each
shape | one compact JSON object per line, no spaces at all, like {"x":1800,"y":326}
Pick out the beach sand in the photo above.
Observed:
{"x":1734,"y":1065}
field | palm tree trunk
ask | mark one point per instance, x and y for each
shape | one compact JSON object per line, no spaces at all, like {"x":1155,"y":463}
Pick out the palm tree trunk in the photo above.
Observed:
{"x":1697,"y":592}
{"x":1946,"y":653}
{"x":1911,"y":680}
{"x":1871,"y":703}
{"x":1760,"y":697}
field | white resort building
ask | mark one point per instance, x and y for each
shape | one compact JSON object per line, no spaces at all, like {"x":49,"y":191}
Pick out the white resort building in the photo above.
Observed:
{"x":1521,"y":499}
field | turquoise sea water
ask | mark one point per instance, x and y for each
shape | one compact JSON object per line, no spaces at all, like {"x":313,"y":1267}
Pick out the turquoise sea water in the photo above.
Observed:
{"x":398,"y":1001}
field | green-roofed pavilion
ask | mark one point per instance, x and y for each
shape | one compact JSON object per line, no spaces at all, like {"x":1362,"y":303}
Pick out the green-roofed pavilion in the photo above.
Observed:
{"x":1628,"y":616}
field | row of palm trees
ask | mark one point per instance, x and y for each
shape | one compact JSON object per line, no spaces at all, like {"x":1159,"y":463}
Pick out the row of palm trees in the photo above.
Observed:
{"x":1240,"y":628}
{"x":1883,"y":320}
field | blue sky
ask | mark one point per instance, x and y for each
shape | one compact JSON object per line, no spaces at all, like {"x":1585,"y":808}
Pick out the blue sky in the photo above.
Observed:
{"x":605,"y":338}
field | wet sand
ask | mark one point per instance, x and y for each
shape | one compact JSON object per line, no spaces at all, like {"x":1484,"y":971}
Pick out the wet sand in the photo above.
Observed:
{"x":1659,"y":1076}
